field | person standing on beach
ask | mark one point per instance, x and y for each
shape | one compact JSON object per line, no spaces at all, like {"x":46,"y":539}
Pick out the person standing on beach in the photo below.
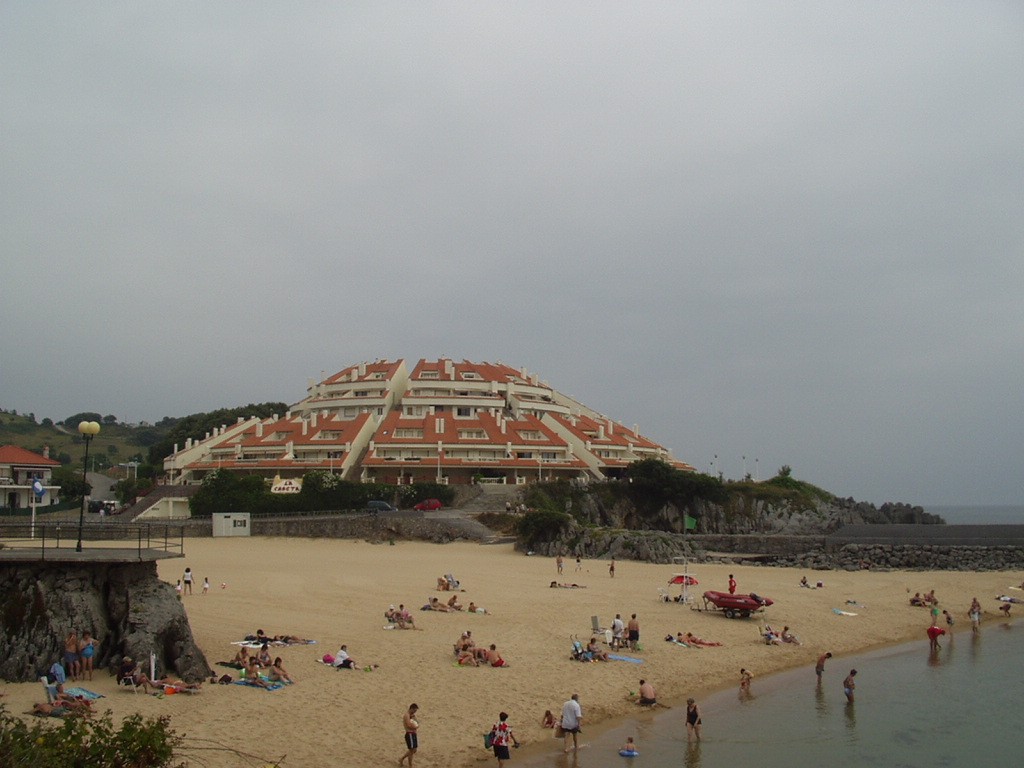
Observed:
{"x":611,"y":568}
{"x":579,"y":564}
{"x":974,"y":614}
{"x":819,"y":668}
{"x":206,"y":584}
{"x":693,"y":722}
{"x":572,"y":718}
{"x":501,"y":735}
{"x":558,"y":564}
{"x":848,"y":685}
{"x":634,"y":632}
{"x":949,"y":623}
{"x":745,"y":678}
{"x":732,"y":585}
{"x":187,"y":579}
{"x":412,"y":728}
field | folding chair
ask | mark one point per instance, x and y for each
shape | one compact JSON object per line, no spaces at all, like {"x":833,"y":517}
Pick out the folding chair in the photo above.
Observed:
{"x":595,"y":626}
{"x":128,"y":682}
{"x":50,"y":688}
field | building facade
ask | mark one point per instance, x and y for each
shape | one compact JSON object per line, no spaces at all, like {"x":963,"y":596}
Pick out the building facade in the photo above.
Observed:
{"x":445,"y":422}
{"x":20,"y":470}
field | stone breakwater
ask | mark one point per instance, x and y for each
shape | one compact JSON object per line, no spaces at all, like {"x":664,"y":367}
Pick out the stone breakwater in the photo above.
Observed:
{"x":814,"y":552}
{"x":928,"y":557}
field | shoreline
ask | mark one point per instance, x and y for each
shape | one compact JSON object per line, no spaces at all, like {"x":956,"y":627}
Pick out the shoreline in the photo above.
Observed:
{"x":534,"y":751}
{"x":335,"y":591}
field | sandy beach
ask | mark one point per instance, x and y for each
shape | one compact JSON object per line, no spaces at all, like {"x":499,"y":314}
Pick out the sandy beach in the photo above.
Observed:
{"x":336,"y":591}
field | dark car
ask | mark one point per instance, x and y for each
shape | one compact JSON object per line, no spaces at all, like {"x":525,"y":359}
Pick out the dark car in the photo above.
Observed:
{"x":428,"y":505}
{"x":380,"y":507}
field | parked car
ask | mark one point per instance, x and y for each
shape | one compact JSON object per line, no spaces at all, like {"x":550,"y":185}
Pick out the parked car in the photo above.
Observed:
{"x":428,"y":505}
{"x":380,"y":507}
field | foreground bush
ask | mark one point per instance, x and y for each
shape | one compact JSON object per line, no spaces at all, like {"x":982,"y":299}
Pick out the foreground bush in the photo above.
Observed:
{"x":86,"y":742}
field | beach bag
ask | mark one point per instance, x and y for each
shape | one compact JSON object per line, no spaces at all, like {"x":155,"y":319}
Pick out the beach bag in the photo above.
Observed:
{"x":559,"y":731}
{"x":328,"y":659}
{"x":489,"y":740}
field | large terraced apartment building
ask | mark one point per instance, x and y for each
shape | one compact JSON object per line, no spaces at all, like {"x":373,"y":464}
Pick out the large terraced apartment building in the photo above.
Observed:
{"x":446,"y":421}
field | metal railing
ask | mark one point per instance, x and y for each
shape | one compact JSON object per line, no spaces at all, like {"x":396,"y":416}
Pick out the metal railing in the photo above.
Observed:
{"x":60,"y":539}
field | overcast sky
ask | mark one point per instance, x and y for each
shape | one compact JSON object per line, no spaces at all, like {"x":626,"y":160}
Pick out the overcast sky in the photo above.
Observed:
{"x":786,"y":231}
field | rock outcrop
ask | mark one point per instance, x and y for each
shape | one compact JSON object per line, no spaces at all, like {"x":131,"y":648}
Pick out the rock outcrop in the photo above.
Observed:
{"x":125,"y":606}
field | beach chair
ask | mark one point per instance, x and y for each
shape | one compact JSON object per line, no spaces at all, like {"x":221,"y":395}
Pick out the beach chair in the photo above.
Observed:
{"x":453,"y":583}
{"x":50,"y":689}
{"x":595,"y":626}
{"x":128,"y":682}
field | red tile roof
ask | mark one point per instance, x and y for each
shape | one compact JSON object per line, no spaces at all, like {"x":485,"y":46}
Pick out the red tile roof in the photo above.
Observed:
{"x":12,"y":454}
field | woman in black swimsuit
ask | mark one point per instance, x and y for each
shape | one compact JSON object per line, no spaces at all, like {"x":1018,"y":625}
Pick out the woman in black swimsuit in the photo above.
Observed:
{"x":692,"y":720}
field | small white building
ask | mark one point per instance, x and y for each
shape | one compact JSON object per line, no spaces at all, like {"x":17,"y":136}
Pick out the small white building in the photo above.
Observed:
{"x":19,"y":471}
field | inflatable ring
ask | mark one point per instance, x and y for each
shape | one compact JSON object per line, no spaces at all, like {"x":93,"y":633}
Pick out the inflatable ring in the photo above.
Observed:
{"x":628,"y":753}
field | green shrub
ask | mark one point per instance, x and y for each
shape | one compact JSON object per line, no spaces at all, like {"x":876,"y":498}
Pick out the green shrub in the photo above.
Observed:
{"x":546,"y":525}
{"x":87,"y":742}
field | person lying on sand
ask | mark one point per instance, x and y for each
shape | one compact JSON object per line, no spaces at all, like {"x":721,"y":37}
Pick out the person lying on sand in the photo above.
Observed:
{"x":474,"y":608}
{"x":692,"y":639}
{"x":64,"y":708}
{"x":169,"y":681}
{"x":556,"y":585}
{"x":437,"y":605}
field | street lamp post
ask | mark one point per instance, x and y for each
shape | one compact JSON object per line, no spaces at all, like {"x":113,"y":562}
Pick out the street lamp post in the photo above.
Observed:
{"x":88,"y":430}
{"x":439,"y":449}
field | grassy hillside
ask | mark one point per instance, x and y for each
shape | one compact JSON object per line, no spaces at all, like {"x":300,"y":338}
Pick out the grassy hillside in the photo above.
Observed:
{"x":116,"y":443}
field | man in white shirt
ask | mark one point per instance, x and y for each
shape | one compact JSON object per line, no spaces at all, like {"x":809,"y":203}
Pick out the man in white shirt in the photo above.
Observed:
{"x":342,"y":660}
{"x":572,"y":717}
{"x":618,"y":627}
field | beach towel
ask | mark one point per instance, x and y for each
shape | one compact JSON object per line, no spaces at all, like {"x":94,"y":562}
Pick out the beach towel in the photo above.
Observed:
{"x":838,"y":612}
{"x":630,"y":659}
{"x":82,"y":693}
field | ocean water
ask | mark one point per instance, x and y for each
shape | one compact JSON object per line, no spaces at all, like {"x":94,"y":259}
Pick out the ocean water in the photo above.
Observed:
{"x":979,"y":515}
{"x":958,"y":707}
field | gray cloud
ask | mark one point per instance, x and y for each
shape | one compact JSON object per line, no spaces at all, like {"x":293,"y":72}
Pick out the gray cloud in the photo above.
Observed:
{"x":787,"y":232}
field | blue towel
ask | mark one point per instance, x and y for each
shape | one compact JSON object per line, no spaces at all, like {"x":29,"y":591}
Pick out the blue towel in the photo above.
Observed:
{"x":270,"y":687}
{"x":83,"y":693}
{"x":630,"y":659}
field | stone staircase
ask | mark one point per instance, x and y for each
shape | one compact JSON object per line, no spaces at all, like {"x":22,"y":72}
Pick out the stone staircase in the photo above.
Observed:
{"x":492,"y":498}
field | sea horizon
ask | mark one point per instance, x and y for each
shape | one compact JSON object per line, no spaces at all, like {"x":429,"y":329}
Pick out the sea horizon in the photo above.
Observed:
{"x":978,"y":514}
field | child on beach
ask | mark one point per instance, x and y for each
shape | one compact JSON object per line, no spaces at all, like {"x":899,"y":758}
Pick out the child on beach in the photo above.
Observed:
{"x":629,"y":748}
{"x":206,"y":584}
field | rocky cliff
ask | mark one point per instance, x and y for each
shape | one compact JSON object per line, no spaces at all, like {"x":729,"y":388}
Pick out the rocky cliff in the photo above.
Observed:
{"x":745,"y":514}
{"x":125,"y":606}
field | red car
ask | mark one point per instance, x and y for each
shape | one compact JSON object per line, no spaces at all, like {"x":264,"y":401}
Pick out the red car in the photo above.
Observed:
{"x":428,"y":505}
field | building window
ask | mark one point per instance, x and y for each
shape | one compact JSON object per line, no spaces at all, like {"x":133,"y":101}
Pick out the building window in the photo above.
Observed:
{"x":464,"y":412}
